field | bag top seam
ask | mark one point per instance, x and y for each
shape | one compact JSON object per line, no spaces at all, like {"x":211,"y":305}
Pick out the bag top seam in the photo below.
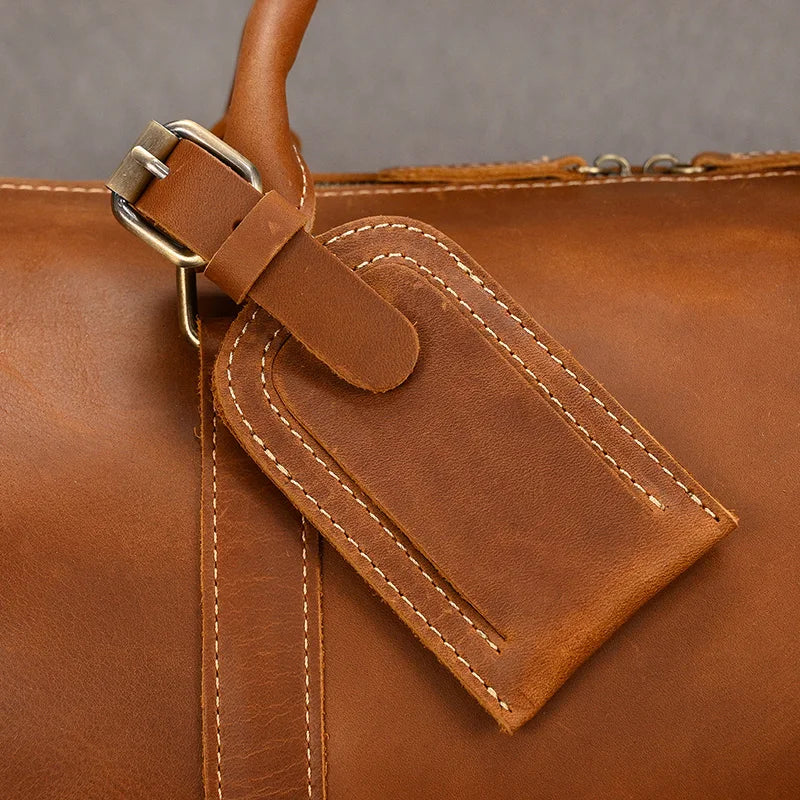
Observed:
{"x":330,"y":191}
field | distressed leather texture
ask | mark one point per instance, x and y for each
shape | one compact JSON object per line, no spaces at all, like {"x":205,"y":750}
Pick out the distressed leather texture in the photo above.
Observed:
{"x":692,"y":325}
{"x":507,"y":509}
{"x":174,"y":628}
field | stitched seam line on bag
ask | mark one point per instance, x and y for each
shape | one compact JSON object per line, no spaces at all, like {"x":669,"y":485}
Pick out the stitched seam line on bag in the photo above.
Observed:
{"x":305,"y":656}
{"x":216,"y":597}
{"x":303,"y":173}
{"x":756,"y":153}
{"x":288,"y":477}
{"x":44,"y":187}
{"x":455,"y":187}
{"x":472,"y":187}
{"x":358,"y":500}
{"x":477,"y":279}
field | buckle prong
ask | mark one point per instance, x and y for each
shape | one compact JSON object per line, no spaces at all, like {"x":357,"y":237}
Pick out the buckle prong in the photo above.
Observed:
{"x":154,"y":165}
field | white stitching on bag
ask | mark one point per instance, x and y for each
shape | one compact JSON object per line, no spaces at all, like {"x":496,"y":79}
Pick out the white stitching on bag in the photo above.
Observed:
{"x":216,"y":624}
{"x":358,"y":500}
{"x":305,"y":655}
{"x":541,"y":344}
{"x":303,"y":173}
{"x":288,"y":476}
{"x":757,"y":153}
{"x":216,"y":597}
{"x":456,"y":187}
{"x":44,"y":187}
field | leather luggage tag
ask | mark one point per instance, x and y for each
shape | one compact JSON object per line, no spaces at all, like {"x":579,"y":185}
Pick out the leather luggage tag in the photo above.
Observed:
{"x":500,"y":500}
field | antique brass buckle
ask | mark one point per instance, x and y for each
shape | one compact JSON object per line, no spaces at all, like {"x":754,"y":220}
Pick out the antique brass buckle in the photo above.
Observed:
{"x":144,"y":162}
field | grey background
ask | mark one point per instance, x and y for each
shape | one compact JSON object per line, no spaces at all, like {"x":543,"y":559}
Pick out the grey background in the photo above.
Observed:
{"x":387,"y":82}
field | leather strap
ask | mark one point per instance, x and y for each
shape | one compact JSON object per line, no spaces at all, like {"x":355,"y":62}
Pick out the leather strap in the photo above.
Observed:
{"x":200,"y":202}
{"x":260,"y":236}
{"x":256,"y":246}
{"x":262,"y":635}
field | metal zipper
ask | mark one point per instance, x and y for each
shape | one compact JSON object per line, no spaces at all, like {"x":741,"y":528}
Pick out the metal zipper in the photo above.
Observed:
{"x":658,"y":164}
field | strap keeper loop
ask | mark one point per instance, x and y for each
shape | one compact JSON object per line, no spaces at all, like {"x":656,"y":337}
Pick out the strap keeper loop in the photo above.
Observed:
{"x":252,"y":245}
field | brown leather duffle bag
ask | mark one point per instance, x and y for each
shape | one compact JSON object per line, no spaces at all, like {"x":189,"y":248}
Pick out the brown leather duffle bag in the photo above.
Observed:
{"x":483,"y":485}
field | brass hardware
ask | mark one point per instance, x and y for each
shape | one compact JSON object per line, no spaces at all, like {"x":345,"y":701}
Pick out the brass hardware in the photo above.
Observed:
{"x":186,"y":281}
{"x":155,"y":166}
{"x":145,"y":162}
{"x":182,"y":257}
{"x":131,"y":177}
{"x":608,"y":164}
{"x":669,"y":164}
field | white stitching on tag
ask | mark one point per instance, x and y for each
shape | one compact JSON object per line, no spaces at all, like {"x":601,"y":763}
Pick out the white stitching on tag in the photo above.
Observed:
{"x":358,"y":500}
{"x":477,"y":279}
{"x":288,"y":476}
{"x":638,"y":486}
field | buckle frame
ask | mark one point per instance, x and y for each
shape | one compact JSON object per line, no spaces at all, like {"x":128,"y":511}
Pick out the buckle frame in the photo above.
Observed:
{"x":145,"y":162}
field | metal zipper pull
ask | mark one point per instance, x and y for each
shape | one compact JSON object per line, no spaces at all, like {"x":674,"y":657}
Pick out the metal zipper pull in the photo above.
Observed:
{"x":667,"y":163}
{"x":608,"y":164}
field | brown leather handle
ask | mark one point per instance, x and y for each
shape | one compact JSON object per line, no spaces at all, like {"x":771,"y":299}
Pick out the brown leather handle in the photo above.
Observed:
{"x":257,"y":120}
